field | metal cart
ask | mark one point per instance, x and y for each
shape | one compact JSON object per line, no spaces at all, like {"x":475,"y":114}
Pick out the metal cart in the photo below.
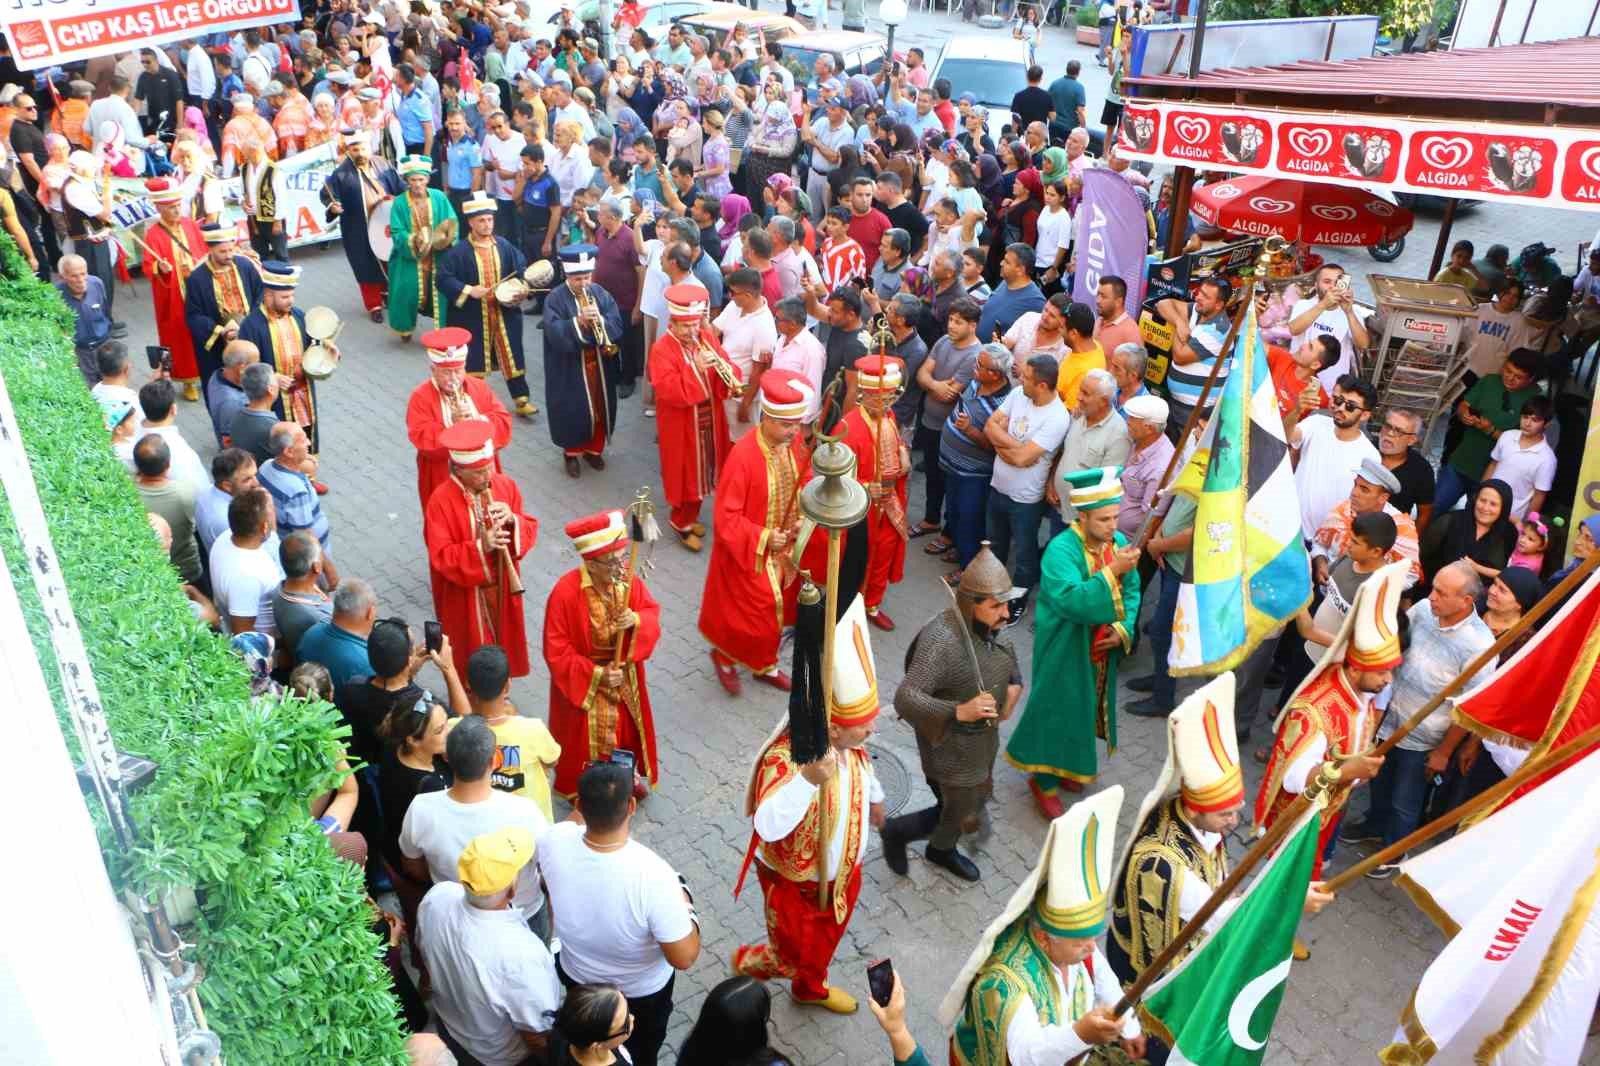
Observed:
{"x":1421,"y":354}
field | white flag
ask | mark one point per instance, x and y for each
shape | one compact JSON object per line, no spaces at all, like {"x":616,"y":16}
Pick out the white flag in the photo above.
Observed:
{"x":1516,"y":985}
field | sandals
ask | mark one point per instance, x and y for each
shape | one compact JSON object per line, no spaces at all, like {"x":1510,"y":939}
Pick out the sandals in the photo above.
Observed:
{"x":922,"y":529}
{"x":936,"y":547}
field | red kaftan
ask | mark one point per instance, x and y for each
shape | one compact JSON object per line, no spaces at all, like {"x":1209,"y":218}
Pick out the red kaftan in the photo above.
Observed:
{"x":471,"y":590}
{"x":1327,"y":707}
{"x":185,"y":250}
{"x":579,"y":642}
{"x":691,"y":426}
{"x":750,"y":591}
{"x":877,"y":445}
{"x":428,"y":414}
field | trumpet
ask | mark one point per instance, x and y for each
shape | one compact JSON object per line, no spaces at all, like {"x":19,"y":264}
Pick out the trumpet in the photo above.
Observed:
{"x":587,"y":308}
{"x":708,"y":358}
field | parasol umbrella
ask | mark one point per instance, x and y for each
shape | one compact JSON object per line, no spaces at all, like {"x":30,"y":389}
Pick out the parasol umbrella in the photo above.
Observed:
{"x":1305,"y":211}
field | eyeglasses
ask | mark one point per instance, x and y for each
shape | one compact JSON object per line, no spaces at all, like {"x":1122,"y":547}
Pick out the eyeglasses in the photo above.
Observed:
{"x":1350,"y":405}
{"x":626,"y":1030}
{"x":1395,"y":431}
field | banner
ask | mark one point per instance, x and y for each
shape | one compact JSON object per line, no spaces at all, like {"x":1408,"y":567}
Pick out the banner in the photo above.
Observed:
{"x":1549,"y":165}
{"x":300,"y":180}
{"x":1112,"y":237}
{"x":53,"y":33}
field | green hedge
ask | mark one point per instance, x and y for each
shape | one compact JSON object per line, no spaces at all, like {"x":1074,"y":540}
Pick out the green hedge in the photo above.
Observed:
{"x":293,"y":972}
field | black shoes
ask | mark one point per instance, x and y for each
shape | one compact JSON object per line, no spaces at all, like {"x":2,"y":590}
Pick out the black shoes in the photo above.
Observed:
{"x":953,"y":861}
{"x":1147,"y":683}
{"x":1149,"y":708}
{"x":624,"y":390}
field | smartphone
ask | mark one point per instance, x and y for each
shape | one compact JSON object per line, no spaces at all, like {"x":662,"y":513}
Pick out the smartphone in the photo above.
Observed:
{"x":160,"y":357}
{"x":622,"y":757}
{"x":880,"y":981}
{"x":432,"y":636}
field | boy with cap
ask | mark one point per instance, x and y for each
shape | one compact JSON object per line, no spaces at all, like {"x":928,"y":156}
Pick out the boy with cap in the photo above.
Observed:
{"x":1088,"y":605}
{"x":470,"y":931}
{"x":1370,"y":492}
{"x":1036,"y":988}
{"x":785,"y":802}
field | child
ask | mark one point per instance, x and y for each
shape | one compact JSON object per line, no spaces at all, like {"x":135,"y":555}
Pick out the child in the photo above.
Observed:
{"x":1532,"y":540}
{"x":577,"y":226}
{"x":1372,"y":535}
{"x":1523,"y":458}
{"x":526,"y":750}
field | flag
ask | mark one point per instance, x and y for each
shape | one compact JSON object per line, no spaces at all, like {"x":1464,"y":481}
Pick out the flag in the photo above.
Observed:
{"x":1250,"y":573}
{"x":1217,"y":1007}
{"x":1523,"y":705}
{"x":1516,"y":984}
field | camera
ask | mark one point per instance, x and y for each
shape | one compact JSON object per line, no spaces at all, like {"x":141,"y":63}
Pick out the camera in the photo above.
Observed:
{"x":160,"y":357}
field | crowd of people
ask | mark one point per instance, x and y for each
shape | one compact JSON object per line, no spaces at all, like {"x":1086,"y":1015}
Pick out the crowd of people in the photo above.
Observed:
{"x":761,"y":258}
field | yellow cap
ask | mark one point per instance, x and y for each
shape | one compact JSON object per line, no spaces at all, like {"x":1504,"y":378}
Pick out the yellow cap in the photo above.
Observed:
{"x":491,"y":862}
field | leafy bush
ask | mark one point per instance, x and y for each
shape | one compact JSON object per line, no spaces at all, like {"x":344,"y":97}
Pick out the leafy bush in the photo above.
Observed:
{"x":292,"y":968}
{"x":1087,"y":16}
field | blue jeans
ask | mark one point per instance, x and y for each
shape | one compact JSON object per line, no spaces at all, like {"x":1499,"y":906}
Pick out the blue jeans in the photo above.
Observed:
{"x":1397,"y":794}
{"x":1165,"y":691}
{"x":1451,"y":486}
{"x":966,"y":506}
{"x":1010,"y":520}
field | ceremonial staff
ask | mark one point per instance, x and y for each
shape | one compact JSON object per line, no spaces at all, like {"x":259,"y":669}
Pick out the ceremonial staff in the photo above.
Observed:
{"x":1484,"y":801}
{"x":1314,"y":794}
{"x":834,"y":500}
{"x":1263,"y":263}
{"x":1552,"y":598}
{"x":642,"y":529}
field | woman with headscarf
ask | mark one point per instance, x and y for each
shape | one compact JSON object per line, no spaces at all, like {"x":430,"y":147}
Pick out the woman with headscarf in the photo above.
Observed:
{"x":795,"y":205}
{"x":1482,"y":533}
{"x":773,"y":136}
{"x":1018,"y":221}
{"x":705,"y":93}
{"x":1476,"y":764}
{"x":974,"y":136}
{"x":1054,"y":167}
{"x":860,"y":92}
{"x":734,"y":208}
{"x":684,"y":138}
{"x":628,"y":128}
{"x":674,"y":91}
{"x":902,"y":159}
{"x":1584,"y":542}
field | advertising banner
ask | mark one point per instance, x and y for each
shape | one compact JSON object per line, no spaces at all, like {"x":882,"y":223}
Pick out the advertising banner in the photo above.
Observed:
{"x":1550,"y":166}
{"x":1112,"y":237}
{"x":47,"y":33}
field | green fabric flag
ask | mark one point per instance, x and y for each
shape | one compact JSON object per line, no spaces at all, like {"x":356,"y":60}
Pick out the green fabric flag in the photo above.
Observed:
{"x":1217,"y":1007}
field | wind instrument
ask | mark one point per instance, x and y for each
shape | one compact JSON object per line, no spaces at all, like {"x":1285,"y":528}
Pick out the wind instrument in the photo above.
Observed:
{"x":588,"y":309}
{"x":708,"y":359}
{"x":481,"y":502}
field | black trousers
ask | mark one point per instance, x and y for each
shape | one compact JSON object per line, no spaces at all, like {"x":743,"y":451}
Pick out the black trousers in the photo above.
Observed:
{"x":954,"y":810}
{"x":650,"y":1017}
{"x":505,"y":221}
{"x":631,"y":361}
{"x":927,"y":441}
{"x":267,"y":244}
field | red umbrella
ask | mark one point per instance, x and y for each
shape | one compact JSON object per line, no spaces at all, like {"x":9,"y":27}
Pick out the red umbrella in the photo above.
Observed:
{"x":1305,"y":211}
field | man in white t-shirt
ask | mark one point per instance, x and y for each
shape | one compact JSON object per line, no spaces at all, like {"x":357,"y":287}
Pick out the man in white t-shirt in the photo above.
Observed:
{"x":1523,"y":459}
{"x":1500,"y":329}
{"x":494,"y":981}
{"x":243,"y":573}
{"x":1331,"y":449}
{"x":502,"y":162}
{"x":747,"y":331}
{"x":1025,"y":434}
{"x":623,"y":914}
{"x":1331,"y":311}
{"x":439,"y":825}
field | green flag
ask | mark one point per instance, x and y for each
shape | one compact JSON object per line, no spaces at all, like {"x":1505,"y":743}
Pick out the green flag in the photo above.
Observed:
{"x":1217,"y":1007}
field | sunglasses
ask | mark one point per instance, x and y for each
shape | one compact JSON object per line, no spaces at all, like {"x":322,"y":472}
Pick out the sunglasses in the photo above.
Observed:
{"x":626,"y":1030}
{"x":1350,"y":405}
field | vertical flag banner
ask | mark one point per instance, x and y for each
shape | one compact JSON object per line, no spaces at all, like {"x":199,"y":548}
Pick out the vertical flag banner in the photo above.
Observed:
{"x":1250,"y":573}
{"x":1218,"y":1006}
{"x":1516,"y":985}
{"x":1112,"y":235}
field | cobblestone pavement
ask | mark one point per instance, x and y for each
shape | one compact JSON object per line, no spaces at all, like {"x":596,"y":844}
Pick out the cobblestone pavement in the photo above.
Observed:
{"x":1368,"y":950}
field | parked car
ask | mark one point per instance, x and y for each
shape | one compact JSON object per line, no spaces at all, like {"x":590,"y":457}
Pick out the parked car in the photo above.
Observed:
{"x":992,"y":68}
{"x":852,"y":52}
{"x":716,"y":22}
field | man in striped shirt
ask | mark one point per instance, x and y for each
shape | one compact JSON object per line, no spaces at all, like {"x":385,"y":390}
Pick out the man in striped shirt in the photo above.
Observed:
{"x":1197,"y":338}
{"x":293,"y":493}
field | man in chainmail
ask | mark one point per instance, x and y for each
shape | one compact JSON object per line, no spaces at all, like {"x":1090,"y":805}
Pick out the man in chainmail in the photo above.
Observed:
{"x":957,"y":713}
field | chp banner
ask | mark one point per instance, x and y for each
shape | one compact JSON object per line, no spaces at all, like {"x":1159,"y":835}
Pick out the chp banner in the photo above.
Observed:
{"x":1111,"y":235}
{"x":52,"y":32}
{"x":1473,"y":160}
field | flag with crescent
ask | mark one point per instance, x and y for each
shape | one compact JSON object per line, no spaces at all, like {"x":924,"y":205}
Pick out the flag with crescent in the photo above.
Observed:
{"x":1216,"y":1008}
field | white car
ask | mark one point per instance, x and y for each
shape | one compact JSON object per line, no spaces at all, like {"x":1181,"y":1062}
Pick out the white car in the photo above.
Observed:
{"x":992,"y":67}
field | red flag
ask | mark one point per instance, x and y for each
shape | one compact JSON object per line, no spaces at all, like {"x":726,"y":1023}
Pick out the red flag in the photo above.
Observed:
{"x":1549,"y":691}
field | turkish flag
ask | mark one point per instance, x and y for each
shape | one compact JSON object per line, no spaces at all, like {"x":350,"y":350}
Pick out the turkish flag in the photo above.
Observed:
{"x":1548,"y":692}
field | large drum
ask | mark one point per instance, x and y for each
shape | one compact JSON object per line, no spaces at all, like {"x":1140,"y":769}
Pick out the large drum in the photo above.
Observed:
{"x":379,"y":235}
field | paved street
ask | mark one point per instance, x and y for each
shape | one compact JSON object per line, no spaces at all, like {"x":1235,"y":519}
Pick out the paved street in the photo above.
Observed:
{"x":1368,"y":950}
